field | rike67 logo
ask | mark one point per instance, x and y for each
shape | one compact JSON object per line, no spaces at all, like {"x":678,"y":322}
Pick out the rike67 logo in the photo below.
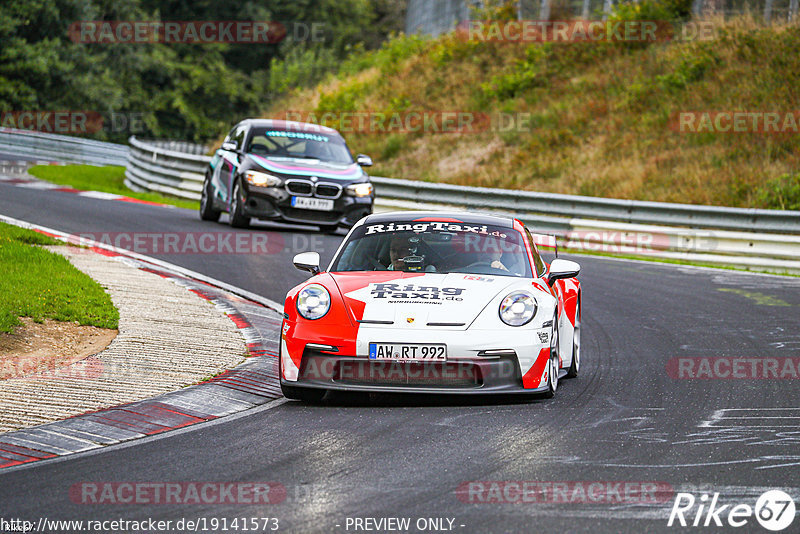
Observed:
{"x":774,"y":510}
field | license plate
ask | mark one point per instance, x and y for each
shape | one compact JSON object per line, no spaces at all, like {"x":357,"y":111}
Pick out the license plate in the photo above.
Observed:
{"x":408,"y":351}
{"x":309,"y":203}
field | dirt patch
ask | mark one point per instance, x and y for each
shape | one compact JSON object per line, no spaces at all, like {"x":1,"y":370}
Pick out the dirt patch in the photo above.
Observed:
{"x":44,"y":348}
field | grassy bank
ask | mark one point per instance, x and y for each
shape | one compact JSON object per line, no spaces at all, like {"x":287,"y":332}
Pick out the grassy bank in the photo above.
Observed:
{"x":109,"y":179}
{"x":40,"y":284}
{"x":602,"y":115}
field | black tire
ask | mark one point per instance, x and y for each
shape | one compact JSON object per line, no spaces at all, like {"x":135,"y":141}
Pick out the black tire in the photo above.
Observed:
{"x":302,"y":394}
{"x":328,"y":228}
{"x":207,"y":211}
{"x":555,"y":349}
{"x":236,"y":218}
{"x":575,"y":366}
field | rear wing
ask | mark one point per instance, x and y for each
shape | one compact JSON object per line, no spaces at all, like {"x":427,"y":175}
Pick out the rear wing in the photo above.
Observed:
{"x":546,"y":241}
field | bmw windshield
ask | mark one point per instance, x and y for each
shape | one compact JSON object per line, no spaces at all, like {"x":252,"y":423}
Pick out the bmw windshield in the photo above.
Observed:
{"x":292,"y":144}
{"x":435,"y":247}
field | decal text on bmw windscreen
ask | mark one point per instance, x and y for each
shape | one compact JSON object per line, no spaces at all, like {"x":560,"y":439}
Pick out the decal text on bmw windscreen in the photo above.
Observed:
{"x":297,"y":135}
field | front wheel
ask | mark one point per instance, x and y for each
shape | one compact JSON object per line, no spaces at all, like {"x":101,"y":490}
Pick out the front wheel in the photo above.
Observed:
{"x":553,"y":364}
{"x":575,"y":366}
{"x":236,"y":217}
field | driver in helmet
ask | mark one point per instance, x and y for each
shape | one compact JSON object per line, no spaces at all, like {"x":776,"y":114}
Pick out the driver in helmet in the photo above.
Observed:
{"x":403,"y":255}
{"x":494,"y":249}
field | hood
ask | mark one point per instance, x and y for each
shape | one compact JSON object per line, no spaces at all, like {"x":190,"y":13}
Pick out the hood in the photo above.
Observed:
{"x":303,"y":167}
{"x":418,"y":300}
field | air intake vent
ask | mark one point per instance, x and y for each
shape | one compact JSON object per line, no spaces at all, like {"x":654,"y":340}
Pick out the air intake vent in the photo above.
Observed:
{"x":299,"y":187}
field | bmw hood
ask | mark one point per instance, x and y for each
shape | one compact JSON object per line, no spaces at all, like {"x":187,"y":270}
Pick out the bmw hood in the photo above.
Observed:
{"x":303,"y":167}
{"x":419,"y":300}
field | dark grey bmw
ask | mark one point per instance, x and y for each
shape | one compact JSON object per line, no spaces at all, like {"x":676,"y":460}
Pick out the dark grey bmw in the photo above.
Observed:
{"x":287,"y":171}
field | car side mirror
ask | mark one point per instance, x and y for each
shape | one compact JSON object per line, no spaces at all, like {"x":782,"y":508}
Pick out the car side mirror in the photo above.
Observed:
{"x":307,"y":261}
{"x":562,"y":269}
{"x":364,"y":160}
{"x":229,"y":145}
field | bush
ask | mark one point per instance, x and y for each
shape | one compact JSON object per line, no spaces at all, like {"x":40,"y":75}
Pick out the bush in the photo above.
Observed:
{"x":526,"y":74}
{"x":781,"y":193}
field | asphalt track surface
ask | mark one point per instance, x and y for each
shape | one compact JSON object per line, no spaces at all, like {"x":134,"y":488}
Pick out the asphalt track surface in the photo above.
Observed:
{"x":624,"y":419}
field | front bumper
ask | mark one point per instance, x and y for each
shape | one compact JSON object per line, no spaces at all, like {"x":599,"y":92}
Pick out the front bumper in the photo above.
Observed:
{"x":497,"y":374}
{"x":274,"y":203}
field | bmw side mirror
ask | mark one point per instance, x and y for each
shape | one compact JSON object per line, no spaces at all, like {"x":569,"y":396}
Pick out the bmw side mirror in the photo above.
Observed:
{"x":307,"y":261}
{"x":562,"y":269}
{"x":364,"y":160}
{"x":229,"y":145}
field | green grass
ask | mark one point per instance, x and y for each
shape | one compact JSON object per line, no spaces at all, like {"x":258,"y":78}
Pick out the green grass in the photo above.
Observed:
{"x":108,"y":179}
{"x":40,"y":284}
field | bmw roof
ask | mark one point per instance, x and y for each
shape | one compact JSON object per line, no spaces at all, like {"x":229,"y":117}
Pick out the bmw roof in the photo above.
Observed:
{"x":289,"y":125}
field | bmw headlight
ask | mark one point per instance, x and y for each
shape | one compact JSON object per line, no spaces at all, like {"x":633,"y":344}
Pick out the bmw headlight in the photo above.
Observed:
{"x":517,"y":308}
{"x":360,"y":190}
{"x":313,"y":301}
{"x":262,"y":179}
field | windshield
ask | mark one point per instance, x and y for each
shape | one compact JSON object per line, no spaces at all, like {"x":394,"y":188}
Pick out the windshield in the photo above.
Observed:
{"x":438,"y":247}
{"x":272,"y":143}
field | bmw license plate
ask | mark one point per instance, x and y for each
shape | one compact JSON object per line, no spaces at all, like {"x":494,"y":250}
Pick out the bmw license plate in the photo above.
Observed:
{"x":425,"y":352}
{"x":308,"y":203}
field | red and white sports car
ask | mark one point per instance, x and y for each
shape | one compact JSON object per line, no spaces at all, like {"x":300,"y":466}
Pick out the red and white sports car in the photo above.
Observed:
{"x":432,"y":302}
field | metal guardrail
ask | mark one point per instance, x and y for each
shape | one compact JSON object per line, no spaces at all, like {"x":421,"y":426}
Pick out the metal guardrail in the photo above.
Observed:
{"x":564,"y":207}
{"x":62,"y":148}
{"x":751,"y":238}
{"x":158,"y":169}
{"x":153,"y":168}
{"x":184,"y":147}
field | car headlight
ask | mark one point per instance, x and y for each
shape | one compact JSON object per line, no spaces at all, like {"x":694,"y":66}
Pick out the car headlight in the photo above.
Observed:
{"x":313,"y":301}
{"x":262,"y":179}
{"x":360,"y":190}
{"x":517,"y":309}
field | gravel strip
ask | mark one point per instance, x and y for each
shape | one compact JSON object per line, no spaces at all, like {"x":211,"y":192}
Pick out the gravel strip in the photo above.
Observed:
{"x":168,"y":338}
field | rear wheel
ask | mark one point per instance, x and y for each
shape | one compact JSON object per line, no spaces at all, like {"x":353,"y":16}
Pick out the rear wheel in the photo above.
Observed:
{"x":575,"y":366}
{"x":302,"y":394}
{"x":207,"y":210}
{"x":236,"y":216}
